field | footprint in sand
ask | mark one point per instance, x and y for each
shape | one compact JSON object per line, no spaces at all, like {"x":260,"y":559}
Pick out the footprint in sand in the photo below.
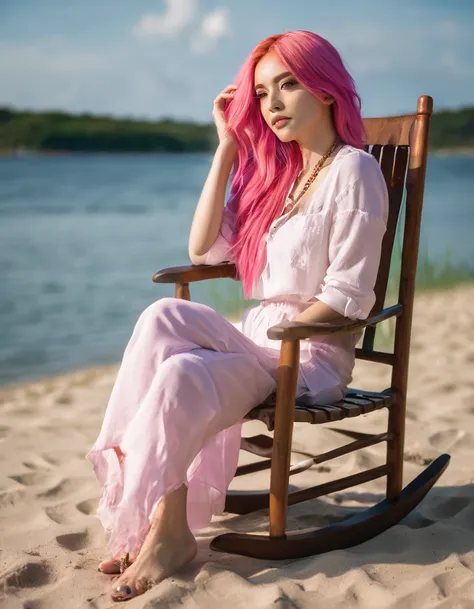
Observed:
{"x":57,"y":513}
{"x":73,"y":541}
{"x":88,"y":507}
{"x":51,"y":459}
{"x":30,"y":575}
{"x":450,"y":507}
{"x":64,"y":398}
{"x":59,"y":457}
{"x":37,"y":463}
{"x":450,"y":438}
{"x":467,"y":561}
{"x":32,"y":478}
{"x":11,"y":497}
{"x":66,"y":487}
{"x":415,"y":520}
{"x":35,"y":604}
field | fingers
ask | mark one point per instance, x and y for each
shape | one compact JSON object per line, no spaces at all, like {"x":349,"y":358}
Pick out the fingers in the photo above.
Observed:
{"x":222,"y":97}
{"x":227,"y":93}
{"x":219,"y":106}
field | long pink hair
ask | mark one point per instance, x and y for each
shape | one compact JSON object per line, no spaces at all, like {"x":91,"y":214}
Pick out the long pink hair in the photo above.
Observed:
{"x":265,"y":167}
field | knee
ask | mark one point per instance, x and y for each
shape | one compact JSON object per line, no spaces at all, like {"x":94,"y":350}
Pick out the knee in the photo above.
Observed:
{"x":183,"y":373}
{"x":161,"y":309}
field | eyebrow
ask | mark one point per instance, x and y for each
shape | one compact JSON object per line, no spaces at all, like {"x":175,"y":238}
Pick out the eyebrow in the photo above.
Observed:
{"x":276,"y":79}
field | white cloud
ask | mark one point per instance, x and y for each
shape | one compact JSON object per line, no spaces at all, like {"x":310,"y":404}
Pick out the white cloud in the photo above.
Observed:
{"x":214,"y":25}
{"x":178,"y":15}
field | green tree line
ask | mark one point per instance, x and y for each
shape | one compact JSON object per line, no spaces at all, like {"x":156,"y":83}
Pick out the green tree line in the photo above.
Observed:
{"x":61,"y":131}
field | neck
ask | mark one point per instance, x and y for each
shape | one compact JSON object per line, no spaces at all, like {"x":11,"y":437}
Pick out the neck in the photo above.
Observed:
{"x":315,"y":146}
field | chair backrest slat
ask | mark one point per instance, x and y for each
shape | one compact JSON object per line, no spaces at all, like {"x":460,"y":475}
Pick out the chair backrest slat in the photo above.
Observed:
{"x":395,"y":144}
{"x":376,"y":151}
{"x":386,"y":164}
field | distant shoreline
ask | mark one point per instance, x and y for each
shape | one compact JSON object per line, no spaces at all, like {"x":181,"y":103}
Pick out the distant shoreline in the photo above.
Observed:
{"x":464,"y":151}
{"x":19,"y":154}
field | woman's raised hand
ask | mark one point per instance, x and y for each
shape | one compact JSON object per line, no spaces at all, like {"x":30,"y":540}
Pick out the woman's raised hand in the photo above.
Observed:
{"x":220,"y":102}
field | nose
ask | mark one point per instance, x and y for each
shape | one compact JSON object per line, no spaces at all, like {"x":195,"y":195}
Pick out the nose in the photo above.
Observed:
{"x":274,"y":102}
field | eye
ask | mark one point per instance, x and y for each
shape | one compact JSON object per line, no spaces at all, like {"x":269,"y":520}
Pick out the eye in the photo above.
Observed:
{"x":290,"y":83}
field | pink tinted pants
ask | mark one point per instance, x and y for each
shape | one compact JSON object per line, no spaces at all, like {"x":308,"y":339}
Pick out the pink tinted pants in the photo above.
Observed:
{"x":187,"y":379}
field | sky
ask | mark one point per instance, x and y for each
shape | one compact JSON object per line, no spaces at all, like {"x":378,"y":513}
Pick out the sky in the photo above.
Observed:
{"x":170,"y":58}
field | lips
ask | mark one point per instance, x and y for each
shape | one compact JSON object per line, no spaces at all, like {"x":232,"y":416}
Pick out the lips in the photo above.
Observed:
{"x":281,"y":122}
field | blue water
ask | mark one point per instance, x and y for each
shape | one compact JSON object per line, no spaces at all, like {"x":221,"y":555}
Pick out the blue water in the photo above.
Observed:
{"x":81,"y":236}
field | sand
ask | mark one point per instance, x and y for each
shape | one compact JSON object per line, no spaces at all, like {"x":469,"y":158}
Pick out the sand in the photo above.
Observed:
{"x":51,"y":540}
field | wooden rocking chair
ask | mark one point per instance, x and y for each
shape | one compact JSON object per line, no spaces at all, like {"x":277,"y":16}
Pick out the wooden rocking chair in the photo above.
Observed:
{"x":400,"y":145}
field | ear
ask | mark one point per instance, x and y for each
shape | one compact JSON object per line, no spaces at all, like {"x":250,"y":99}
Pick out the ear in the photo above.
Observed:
{"x":328,"y":99}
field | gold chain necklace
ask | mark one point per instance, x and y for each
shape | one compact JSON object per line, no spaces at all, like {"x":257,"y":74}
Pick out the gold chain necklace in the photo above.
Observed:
{"x":290,"y":202}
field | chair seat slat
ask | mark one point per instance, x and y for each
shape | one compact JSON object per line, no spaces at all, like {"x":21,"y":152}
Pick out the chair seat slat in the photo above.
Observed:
{"x":355,"y":403}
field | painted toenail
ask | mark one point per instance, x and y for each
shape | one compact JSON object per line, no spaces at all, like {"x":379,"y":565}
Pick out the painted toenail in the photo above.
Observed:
{"x":124,"y":590}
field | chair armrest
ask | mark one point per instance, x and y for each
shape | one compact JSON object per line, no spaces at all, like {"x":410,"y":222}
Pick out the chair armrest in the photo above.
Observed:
{"x":191,"y":273}
{"x":299,"y":331}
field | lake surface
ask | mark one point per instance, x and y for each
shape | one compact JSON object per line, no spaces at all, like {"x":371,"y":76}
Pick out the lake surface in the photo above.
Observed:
{"x":81,"y":236}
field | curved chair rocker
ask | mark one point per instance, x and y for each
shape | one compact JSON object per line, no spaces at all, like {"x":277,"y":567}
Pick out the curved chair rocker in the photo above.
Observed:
{"x":400,"y":145}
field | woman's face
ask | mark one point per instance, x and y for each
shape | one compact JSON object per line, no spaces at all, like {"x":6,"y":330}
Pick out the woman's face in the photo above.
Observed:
{"x":280,"y":94}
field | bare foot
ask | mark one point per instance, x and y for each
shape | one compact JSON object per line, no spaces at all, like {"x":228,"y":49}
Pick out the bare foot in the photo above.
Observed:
{"x":159,"y":557}
{"x":112,"y":565}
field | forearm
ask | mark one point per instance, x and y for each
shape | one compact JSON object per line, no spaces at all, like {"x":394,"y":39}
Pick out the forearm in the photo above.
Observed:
{"x":318,"y":312}
{"x":208,"y":215}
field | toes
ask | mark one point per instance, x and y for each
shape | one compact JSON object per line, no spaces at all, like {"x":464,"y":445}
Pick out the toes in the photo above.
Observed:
{"x":126,"y":591}
{"x":113,"y":565}
{"x":123,"y":592}
{"x":109,"y":567}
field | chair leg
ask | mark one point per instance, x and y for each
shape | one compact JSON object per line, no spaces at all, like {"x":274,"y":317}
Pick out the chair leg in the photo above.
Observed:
{"x":284,"y":418}
{"x":395,"y":447}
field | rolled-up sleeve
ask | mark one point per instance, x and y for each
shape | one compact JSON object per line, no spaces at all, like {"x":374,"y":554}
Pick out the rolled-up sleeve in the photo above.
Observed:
{"x":358,"y":226}
{"x":221,"y":249}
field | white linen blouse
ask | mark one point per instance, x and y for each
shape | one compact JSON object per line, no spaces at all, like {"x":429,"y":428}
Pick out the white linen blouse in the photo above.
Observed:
{"x":330,"y":251}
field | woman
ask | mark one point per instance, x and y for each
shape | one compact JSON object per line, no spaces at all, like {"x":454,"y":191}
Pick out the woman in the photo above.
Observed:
{"x":304,"y":225}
